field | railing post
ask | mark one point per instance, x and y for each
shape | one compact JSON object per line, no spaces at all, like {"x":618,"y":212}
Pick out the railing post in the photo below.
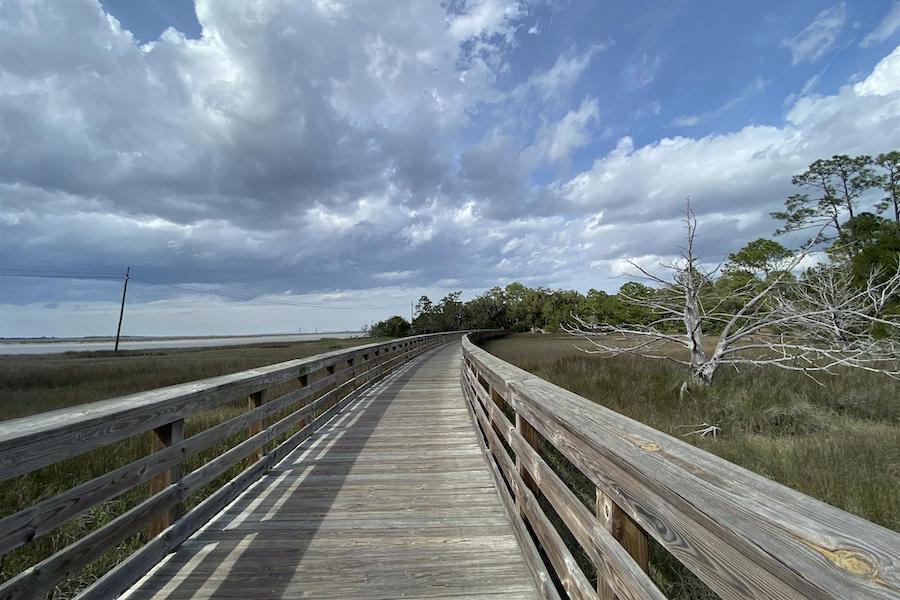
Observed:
{"x":629,"y":535}
{"x":162,"y":437}
{"x":533,"y":439}
{"x":255,"y":400}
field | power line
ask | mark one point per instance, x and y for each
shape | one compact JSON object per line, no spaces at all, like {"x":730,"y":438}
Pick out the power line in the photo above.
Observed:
{"x":55,"y":274}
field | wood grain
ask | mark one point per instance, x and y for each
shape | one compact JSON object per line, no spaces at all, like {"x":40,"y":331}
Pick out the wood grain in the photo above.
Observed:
{"x":745,"y":536}
{"x":161,"y":467}
{"x":613,"y":563}
{"x":361,"y":509}
{"x":32,"y":442}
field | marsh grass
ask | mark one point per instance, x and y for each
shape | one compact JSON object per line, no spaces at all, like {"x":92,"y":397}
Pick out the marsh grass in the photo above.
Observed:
{"x":838,"y":442}
{"x":31,"y":384}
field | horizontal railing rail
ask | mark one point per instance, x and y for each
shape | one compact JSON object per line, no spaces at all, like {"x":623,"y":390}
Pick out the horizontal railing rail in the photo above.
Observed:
{"x":324,"y":385}
{"x":743,"y":535}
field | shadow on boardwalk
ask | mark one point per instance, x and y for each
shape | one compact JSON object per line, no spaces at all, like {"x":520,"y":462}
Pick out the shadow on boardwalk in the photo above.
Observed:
{"x":391,"y":499}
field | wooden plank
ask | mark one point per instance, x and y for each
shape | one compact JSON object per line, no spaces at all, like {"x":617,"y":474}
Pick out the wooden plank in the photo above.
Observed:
{"x":41,"y":518}
{"x":566,"y":568}
{"x":32,"y":442}
{"x":381,"y":533}
{"x":138,"y":563}
{"x":164,"y":437}
{"x":134,"y":567}
{"x":42,"y":576}
{"x":627,"y":533}
{"x":533,"y":560}
{"x":743,"y":535}
{"x":255,"y":400}
{"x":614,"y":564}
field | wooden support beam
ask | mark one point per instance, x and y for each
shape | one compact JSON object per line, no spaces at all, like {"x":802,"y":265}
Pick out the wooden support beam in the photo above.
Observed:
{"x":256,"y":400}
{"x":162,"y":437}
{"x":627,"y":533}
{"x":534,"y":440}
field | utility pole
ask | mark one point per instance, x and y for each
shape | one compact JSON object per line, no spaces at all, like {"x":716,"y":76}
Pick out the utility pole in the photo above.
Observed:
{"x":122,"y":308}
{"x":410,"y":312}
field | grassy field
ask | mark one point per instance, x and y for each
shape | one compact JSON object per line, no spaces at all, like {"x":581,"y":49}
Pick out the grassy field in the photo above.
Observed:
{"x":839,"y":442}
{"x":32,"y":384}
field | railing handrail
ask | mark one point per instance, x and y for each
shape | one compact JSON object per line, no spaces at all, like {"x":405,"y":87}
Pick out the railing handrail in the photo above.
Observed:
{"x":742,"y":534}
{"x":325,"y":384}
{"x":25,"y":443}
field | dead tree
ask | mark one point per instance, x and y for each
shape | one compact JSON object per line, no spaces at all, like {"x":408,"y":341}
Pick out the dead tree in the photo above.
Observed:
{"x":815,"y":325}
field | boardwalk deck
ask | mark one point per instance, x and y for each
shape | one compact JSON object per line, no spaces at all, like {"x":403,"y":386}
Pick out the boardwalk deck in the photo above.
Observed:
{"x":392,"y":499}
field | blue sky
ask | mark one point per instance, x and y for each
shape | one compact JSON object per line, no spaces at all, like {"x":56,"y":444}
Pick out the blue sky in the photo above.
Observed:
{"x":354,"y":155}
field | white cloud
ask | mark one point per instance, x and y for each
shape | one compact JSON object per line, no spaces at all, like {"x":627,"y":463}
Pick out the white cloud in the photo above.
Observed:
{"x":641,"y":72}
{"x":748,"y":168}
{"x":324,"y":146}
{"x":486,"y":18}
{"x":564,"y":73}
{"x":754,"y":87}
{"x":818,"y":37}
{"x":557,"y":141}
{"x":888,"y":26}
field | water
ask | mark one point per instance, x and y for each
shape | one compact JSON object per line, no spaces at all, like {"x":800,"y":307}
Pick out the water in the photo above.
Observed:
{"x":157,"y":343}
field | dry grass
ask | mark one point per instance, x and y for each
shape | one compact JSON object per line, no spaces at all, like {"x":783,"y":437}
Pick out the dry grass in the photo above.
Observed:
{"x":839,"y":442}
{"x":36,"y":383}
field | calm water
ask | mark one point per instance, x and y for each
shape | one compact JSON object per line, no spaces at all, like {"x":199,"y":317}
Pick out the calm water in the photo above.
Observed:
{"x":70,"y":346}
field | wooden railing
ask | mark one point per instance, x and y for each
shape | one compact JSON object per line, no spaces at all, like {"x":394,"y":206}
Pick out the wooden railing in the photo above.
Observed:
{"x":324,"y":384}
{"x":743,"y":535}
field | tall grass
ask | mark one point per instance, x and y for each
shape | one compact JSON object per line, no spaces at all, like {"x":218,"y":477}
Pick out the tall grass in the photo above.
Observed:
{"x":838,"y":442}
{"x":31,"y":384}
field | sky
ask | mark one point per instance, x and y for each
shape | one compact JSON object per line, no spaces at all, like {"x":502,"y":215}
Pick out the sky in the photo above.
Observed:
{"x":274,"y":165}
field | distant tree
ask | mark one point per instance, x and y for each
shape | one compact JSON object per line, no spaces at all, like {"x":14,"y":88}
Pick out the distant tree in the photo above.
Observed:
{"x":425,"y":320}
{"x":837,"y":183}
{"x":395,"y":326}
{"x":598,"y":306}
{"x":878,"y":243}
{"x":450,"y":312}
{"x":889,"y":181}
{"x":759,"y":257}
{"x":490,"y":310}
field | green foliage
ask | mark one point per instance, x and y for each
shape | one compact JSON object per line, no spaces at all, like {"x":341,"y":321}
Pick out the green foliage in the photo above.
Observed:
{"x":889,"y":182}
{"x":395,"y":326}
{"x":836,"y":185}
{"x":761,"y":256}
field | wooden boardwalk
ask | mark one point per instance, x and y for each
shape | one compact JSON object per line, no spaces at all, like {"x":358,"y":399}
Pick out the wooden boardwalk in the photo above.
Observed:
{"x":391,"y":499}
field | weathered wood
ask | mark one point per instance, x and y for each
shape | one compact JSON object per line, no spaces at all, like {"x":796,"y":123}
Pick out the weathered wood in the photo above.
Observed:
{"x":627,"y":533}
{"x":41,"y":518}
{"x":321,"y":523}
{"x":162,"y":468}
{"x":36,"y":580}
{"x":614,"y":565}
{"x":33,"y":442}
{"x":255,"y":400}
{"x":533,"y":560}
{"x":161,"y":438}
{"x":532,"y":438}
{"x":567,"y":570}
{"x":742,"y":534}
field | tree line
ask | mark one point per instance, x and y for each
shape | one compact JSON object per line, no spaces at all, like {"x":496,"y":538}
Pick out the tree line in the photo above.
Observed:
{"x":831,"y":192}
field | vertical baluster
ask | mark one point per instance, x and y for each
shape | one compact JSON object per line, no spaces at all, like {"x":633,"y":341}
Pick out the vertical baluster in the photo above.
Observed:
{"x":162,"y":437}
{"x":534,"y":440}
{"x":626,"y":532}
{"x":255,"y":400}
